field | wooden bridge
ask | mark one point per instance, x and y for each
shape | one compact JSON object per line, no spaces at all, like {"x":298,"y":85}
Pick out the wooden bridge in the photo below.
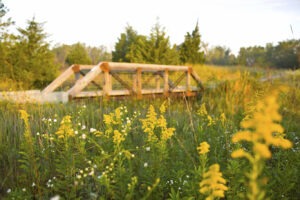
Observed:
{"x":111,"y":79}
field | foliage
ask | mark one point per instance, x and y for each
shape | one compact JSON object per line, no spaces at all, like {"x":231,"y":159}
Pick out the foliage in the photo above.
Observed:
{"x":28,"y":59}
{"x":190,"y":48}
{"x":66,"y":55}
{"x":156,"y":48}
{"x":78,"y":55}
{"x":220,"y":56}
{"x":123,"y":46}
{"x":285,"y":54}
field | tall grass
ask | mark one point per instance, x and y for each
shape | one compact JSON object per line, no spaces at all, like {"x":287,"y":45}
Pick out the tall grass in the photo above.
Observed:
{"x":145,"y":149}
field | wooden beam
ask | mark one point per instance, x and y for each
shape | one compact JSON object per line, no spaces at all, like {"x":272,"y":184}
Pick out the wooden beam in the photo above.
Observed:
{"x":124,"y":83}
{"x":188,"y":79}
{"x":107,"y":83}
{"x":174,"y":85}
{"x":59,"y":80}
{"x":139,"y":83}
{"x":197,"y":79}
{"x":166,"y":82}
{"x":82,"y":83}
{"x":157,"y":81}
{"x":144,"y":67}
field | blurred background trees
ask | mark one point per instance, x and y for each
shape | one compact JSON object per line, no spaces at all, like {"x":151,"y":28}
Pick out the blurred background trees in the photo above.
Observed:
{"x":27,"y":59}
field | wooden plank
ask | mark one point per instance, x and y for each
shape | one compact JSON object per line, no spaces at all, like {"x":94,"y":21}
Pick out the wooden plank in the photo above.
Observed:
{"x":123,"y":83}
{"x":59,"y":80}
{"x":197,"y":79}
{"x":82,"y":83}
{"x":188,"y":79}
{"x":127,"y":93}
{"x":139,"y":82}
{"x":144,"y":67}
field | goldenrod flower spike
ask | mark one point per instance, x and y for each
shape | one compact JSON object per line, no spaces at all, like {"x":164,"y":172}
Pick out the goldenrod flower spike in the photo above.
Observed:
{"x":65,"y":130}
{"x":262,"y":130}
{"x":203,"y":148}
{"x":213,"y":184}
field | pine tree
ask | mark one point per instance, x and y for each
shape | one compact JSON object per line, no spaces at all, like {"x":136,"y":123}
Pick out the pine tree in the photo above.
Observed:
{"x":31,"y":58}
{"x":122,"y":47}
{"x":190,"y":48}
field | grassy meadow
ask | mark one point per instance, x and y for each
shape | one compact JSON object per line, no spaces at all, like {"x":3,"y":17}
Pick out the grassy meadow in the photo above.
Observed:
{"x":239,"y":140}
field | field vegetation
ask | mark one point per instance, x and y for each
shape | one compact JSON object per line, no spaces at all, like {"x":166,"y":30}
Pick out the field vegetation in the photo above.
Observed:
{"x":239,"y":140}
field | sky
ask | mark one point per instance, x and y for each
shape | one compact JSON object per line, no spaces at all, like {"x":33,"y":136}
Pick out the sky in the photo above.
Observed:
{"x":229,"y":23}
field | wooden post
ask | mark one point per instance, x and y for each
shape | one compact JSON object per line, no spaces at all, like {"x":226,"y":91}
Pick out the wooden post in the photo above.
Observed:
{"x":157,"y":82}
{"x":139,"y":83}
{"x":188,"y":81}
{"x":134,"y":83}
{"x":107,"y":83}
{"x":166,"y":82}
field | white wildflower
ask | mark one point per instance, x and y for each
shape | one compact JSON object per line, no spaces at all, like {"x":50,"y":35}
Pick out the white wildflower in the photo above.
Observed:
{"x":145,"y":164}
{"x":56,"y":197}
{"x":8,"y":190}
{"x":147,"y":148}
{"x":83,"y":136}
{"x":92,"y":130}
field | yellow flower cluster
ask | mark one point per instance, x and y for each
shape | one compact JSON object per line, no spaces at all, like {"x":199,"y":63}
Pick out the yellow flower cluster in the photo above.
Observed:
{"x":118,"y":137}
{"x":212,"y":184}
{"x":203,"y":148}
{"x":151,"y":122}
{"x":27,"y":132}
{"x":262,"y":130}
{"x":65,"y":129}
{"x":202,"y":110}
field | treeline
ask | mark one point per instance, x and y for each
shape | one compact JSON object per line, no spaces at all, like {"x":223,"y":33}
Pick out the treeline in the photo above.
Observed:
{"x":28,"y":61}
{"x":285,"y":54}
{"x":156,"y":48}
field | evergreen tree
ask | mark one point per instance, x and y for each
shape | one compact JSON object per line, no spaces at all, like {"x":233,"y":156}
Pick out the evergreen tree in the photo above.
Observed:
{"x":158,"y":47}
{"x":31,"y":58}
{"x":5,"y":44}
{"x":190,"y":48}
{"x":122,"y":47}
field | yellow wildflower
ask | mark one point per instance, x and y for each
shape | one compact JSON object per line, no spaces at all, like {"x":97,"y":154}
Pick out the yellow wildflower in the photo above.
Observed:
{"x":212,"y":184}
{"x":65,"y":129}
{"x":27,"y":131}
{"x":162,"y":108}
{"x":118,"y":137}
{"x":151,"y":124}
{"x":107,"y":119}
{"x":202,"y":111}
{"x":167,"y":134}
{"x":264,"y":128}
{"x":203,"y":148}
{"x":210,"y":120}
{"x":223,"y":118}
